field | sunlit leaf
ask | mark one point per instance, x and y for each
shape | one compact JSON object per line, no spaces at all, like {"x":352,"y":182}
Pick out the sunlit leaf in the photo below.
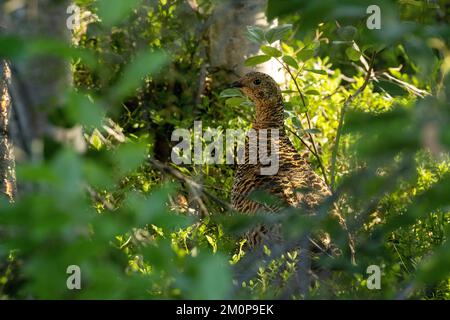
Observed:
{"x":230,"y":92}
{"x":352,"y":54}
{"x":305,"y":55}
{"x":271,"y":51}
{"x":253,"y":61}
{"x":312,"y":131}
{"x":290,"y":62}
{"x":235,"y":101}
{"x":95,"y":141}
{"x":312,"y":92}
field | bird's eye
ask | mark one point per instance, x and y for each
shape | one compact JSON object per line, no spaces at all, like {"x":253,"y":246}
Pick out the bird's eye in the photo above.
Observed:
{"x":257,"y":81}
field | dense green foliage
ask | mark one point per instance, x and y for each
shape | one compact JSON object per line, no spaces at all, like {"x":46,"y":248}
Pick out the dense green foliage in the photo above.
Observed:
{"x":126,"y":223}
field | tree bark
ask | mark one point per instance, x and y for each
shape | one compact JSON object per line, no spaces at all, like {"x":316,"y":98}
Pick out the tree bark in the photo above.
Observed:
{"x":7,"y":161}
{"x":38,"y":84}
{"x":229,"y":46}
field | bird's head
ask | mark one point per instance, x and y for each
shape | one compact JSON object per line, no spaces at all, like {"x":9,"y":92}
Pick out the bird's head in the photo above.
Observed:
{"x":259,"y":87}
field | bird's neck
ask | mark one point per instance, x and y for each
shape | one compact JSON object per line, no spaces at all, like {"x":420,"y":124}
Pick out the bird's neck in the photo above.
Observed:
{"x":269,"y":115}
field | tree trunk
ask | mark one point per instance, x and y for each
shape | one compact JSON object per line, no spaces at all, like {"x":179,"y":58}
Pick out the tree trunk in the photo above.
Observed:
{"x":229,"y":46}
{"x":39,"y":84}
{"x":7,"y":162}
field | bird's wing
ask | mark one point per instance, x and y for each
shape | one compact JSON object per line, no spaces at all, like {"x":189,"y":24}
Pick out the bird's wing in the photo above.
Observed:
{"x":305,"y":188}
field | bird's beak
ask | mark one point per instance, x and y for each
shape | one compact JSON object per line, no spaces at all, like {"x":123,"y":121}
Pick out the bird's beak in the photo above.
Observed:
{"x":237,"y":84}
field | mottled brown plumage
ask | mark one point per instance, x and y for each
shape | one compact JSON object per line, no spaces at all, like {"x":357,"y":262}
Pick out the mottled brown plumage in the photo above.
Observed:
{"x":296,"y":184}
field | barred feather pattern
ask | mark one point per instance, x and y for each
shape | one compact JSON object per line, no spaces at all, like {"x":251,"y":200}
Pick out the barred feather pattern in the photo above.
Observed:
{"x":295,"y":184}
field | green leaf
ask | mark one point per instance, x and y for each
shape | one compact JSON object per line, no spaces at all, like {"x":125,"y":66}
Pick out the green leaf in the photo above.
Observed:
{"x":253,"y":61}
{"x":271,"y":51}
{"x":235,"y":101}
{"x":255,"y":34}
{"x":81,"y":109}
{"x":305,"y":55}
{"x":212,"y":242}
{"x":277,"y":33}
{"x":145,"y":63}
{"x":12,"y":47}
{"x":36,"y":173}
{"x":276,"y":8}
{"x":312,"y":131}
{"x":301,"y":103}
{"x":317,"y":71}
{"x":390,"y":87}
{"x":347,"y":33}
{"x":296,"y":123}
{"x":210,"y":278}
{"x":312,"y":92}
{"x":353,"y":54}
{"x":112,"y":11}
{"x":247,"y":103}
{"x":129,"y":156}
{"x":97,"y":174}
{"x":95,"y":141}
{"x":304,"y":104}
{"x":290,"y":62}
{"x":435,"y":268}
{"x":231,"y":92}
{"x":287,"y":107}
{"x":151,"y":209}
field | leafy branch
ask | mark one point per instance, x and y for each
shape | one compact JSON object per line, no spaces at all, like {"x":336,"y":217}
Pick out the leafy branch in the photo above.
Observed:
{"x":302,"y":97}
{"x":341,"y":119}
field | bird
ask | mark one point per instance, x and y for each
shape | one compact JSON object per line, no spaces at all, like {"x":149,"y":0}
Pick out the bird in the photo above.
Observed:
{"x":295,"y":183}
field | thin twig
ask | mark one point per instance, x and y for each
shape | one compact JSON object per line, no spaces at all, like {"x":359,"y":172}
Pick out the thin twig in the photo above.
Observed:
{"x":302,"y":97}
{"x":409,"y":87}
{"x":401,"y":259}
{"x":302,"y":141}
{"x":322,"y":168}
{"x":97,"y":197}
{"x":194,"y":188}
{"x":191,"y":184}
